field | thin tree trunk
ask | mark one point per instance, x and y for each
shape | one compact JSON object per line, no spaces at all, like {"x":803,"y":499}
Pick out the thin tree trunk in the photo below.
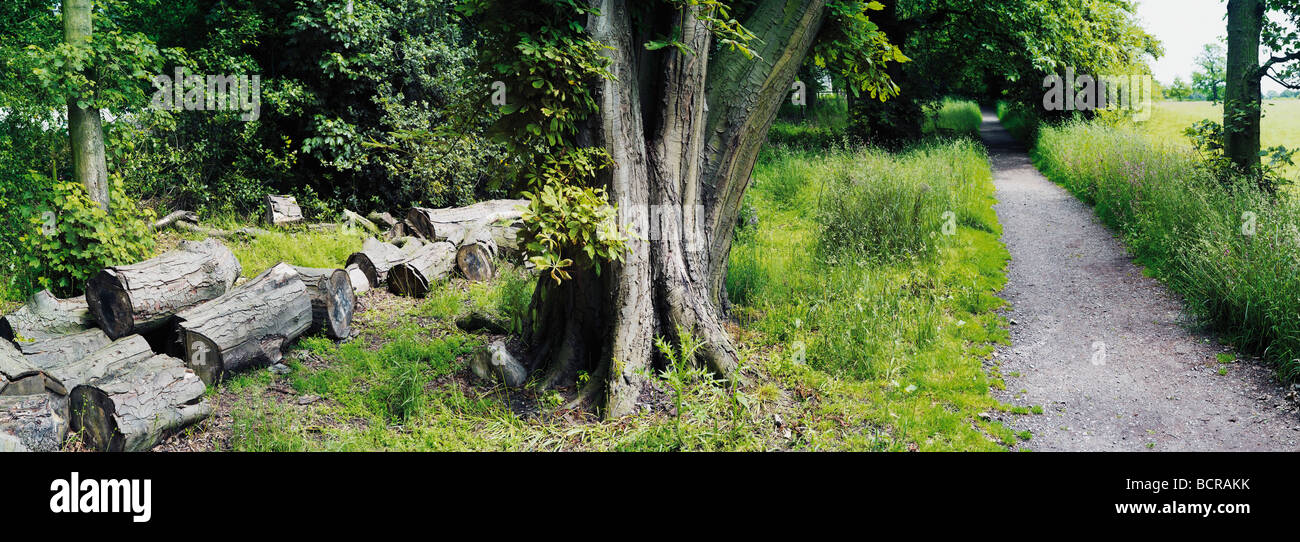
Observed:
{"x":1241,"y":103}
{"x":84,"y":125}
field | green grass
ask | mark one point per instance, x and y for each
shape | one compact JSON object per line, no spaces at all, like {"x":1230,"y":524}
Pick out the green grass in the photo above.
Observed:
{"x":1233,"y":253}
{"x":856,"y":354}
{"x":1020,"y":120}
{"x":1281,"y":123}
{"x":953,"y":116}
{"x":900,"y":340}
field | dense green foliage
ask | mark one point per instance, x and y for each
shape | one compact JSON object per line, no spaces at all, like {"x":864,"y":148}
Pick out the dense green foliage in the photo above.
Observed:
{"x":1231,"y":250}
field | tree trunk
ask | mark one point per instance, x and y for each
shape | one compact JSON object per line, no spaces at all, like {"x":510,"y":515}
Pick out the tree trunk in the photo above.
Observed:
{"x":452,"y":223}
{"x":48,"y":352}
{"x":18,"y":376}
{"x":281,"y":210}
{"x":1241,"y":103}
{"x":33,"y":423}
{"x":137,"y":405}
{"x":249,"y":326}
{"x":377,"y":258}
{"x":85,"y":128}
{"x":427,"y":264}
{"x":332,"y":300}
{"x":682,"y":160}
{"x":73,"y":372}
{"x":141,"y":297}
{"x":45,"y":316}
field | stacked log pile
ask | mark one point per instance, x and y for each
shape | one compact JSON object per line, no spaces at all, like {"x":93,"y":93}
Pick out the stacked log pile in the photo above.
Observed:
{"x":127,"y":364}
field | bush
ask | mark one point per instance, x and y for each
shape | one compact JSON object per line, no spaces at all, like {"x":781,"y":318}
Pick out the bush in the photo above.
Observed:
{"x":70,"y":238}
{"x":1021,"y":120}
{"x":1231,"y":250}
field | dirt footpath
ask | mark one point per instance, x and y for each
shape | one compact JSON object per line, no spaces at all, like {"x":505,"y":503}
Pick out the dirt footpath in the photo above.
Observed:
{"x":1110,"y":354}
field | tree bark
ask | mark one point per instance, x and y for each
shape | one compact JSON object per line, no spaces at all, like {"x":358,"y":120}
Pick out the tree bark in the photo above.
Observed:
{"x":414,"y":276}
{"x":18,"y":376}
{"x":33,"y":423}
{"x":141,"y":297}
{"x":683,"y":131}
{"x":85,"y":128}
{"x":73,"y":372}
{"x":249,"y":326}
{"x":63,"y":349}
{"x":1242,"y":102}
{"x":281,"y":210}
{"x":137,"y":405}
{"x":332,"y":300}
{"x":45,"y":316}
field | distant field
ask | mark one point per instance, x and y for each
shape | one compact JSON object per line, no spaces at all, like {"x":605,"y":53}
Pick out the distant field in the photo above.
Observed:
{"x":1281,"y":122}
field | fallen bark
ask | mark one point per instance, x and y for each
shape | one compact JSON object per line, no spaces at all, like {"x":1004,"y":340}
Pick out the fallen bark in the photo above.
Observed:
{"x":45,"y":316}
{"x":141,"y":297}
{"x":428,"y":264}
{"x":249,"y":326}
{"x":33,"y":423}
{"x":136,"y":405}
{"x":332,"y":300}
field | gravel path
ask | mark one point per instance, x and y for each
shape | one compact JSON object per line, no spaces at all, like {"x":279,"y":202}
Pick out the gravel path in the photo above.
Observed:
{"x":1108,"y":353}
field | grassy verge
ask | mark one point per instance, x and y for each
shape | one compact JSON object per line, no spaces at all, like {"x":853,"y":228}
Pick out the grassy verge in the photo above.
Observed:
{"x":1232,"y":252}
{"x":846,"y":347}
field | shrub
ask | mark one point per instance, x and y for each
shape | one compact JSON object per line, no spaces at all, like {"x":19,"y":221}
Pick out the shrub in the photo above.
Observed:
{"x":70,"y":238}
{"x":953,"y":116}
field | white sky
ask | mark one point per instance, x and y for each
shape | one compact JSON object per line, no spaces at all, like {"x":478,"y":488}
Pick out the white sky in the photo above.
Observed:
{"x":1184,"y":27}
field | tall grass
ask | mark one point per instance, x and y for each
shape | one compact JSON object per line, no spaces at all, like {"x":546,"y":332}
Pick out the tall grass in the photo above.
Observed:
{"x":1022,"y":121}
{"x":828,"y":277}
{"x":1231,"y":251}
{"x":953,"y":116}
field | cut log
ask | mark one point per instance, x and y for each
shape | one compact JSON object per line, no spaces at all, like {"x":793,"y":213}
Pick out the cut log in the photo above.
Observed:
{"x":477,"y":254}
{"x":144,"y":296}
{"x":98,"y":364}
{"x":453,"y":223}
{"x":45,"y":316}
{"x":249,"y":326}
{"x":137,"y":405}
{"x":360,"y":282}
{"x":64,"y":349}
{"x":171,"y":219}
{"x":241,"y":233}
{"x":332,"y":300}
{"x":383,"y":218}
{"x":377,"y":258}
{"x":354,"y":220}
{"x":426,"y":265}
{"x":20,"y":377}
{"x":33,"y":423}
{"x":281,"y":210}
